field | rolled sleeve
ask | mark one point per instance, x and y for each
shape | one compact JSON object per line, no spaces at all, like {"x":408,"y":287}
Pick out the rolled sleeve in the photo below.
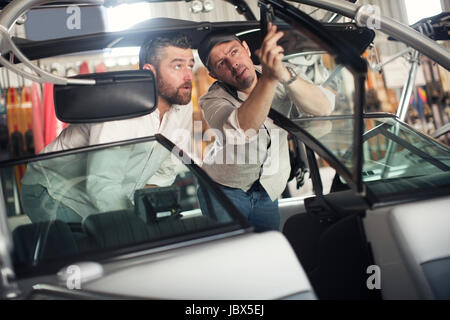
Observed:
{"x":222,"y":115}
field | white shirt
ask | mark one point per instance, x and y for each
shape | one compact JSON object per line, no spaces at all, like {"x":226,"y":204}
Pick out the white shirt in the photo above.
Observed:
{"x":88,"y":134}
{"x":105,"y":180}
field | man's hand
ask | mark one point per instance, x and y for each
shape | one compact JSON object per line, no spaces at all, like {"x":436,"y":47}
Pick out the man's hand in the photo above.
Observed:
{"x":307,"y":97}
{"x":271,"y":54}
{"x":254,"y":111}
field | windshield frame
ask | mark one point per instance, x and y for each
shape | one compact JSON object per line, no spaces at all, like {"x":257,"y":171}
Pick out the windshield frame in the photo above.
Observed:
{"x":238,"y":225}
{"x":412,"y":195}
{"x":349,"y":58}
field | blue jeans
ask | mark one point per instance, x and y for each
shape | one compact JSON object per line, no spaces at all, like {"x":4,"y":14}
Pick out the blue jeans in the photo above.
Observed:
{"x":255,"y":204}
{"x":40,"y":206}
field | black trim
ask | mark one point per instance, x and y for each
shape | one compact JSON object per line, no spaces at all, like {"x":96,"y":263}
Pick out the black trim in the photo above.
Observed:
{"x":358,"y":130}
{"x":229,"y":89}
{"x":136,"y":36}
{"x":51,"y":155}
{"x":407,"y":197}
{"x":229,"y":206}
{"x":378,"y":115}
{"x":344,"y":51}
{"x":345,"y":55}
{"x":314,"y":172}
{"x":116,"y":95}
{"x":370,"y":197}
{"x":52,"y":291}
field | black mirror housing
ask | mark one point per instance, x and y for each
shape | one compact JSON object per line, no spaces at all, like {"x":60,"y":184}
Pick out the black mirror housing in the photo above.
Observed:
{"x":115,"y":96}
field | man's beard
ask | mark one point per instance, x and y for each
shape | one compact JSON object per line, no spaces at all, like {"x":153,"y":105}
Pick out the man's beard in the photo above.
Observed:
{"x":245,"y":82}
{"x":173,"y":95}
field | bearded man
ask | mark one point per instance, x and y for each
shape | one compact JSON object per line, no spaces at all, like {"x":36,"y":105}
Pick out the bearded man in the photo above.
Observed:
{"x":73,"y":187}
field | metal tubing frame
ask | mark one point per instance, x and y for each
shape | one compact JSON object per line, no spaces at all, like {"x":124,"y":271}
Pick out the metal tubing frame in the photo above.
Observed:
{"x":8,"y":287}
{"x":416,"y":40}
{"x":16,"y":8}
{"x":389,"y":26}
{"x":379,"y":66}
{"x":8,"y":17}
{"x":408,"y":88}
{"x":403,"y":105}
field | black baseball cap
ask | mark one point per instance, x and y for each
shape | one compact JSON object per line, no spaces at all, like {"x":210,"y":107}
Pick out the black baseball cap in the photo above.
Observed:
{"x":210,"y":42}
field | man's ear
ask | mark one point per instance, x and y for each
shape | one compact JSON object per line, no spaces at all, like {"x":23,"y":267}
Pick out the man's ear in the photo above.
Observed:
{"x":150,"y":67}
{"x":245,"y":45}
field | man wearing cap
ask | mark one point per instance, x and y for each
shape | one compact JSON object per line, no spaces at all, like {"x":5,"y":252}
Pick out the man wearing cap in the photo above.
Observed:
{"x":237,"y":106}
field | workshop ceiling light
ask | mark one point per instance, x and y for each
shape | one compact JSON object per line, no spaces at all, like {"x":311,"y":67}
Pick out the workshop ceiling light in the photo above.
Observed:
{"x":125,"y":16}
{"x":196,"y":6}
{"x":208,"y":5}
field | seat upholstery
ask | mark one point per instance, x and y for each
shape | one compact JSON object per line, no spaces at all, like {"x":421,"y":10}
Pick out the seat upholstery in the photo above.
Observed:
{"x":120,"y":228}
{"x":43,"y":241}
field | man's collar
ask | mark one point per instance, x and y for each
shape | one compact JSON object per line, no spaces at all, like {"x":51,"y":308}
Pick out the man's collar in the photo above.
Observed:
{"x":230,"y":89}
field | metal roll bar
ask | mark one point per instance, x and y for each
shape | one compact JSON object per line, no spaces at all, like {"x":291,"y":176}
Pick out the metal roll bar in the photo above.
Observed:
{"x":386,"y":25}
{"x":8,"y":17}
{"x":362,"y":14}
{"x":364,"y":17}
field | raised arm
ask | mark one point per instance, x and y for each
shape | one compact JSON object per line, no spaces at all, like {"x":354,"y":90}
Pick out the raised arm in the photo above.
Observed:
{"x":255,"y":109}
{"x":310,"y":98}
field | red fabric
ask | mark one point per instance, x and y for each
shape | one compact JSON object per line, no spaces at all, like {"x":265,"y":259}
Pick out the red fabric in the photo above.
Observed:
{"x":52,"y":126}
{"x":38,"y":118}
{"x":49,"y":114}
{"x":100,"y":68}
{"x":84,"y":68}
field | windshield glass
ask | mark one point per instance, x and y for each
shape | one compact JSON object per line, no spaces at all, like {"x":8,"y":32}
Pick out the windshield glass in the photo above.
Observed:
{"x":335,"y":134}
{"x":398,"y":160}
{"x":322,"y":102}
{"x":407,"y":160}
{"x":111,"y":198}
